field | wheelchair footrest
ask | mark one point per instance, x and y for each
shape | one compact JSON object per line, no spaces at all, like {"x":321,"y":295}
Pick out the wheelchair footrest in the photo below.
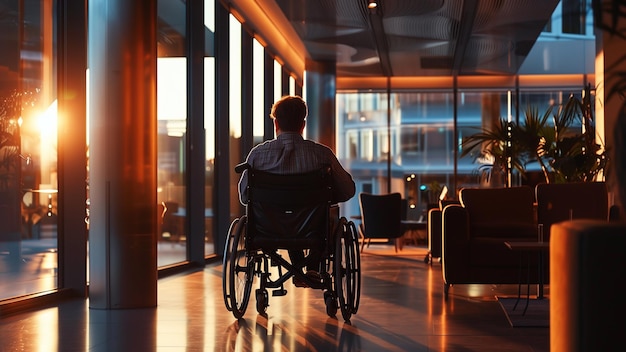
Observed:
{"x":281,"y":292}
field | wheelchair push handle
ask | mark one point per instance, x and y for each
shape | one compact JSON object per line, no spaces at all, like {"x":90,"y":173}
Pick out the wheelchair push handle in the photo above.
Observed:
{"x":239,"y":168}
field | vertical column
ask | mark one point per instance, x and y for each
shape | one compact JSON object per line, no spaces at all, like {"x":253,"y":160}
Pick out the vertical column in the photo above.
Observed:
{"x":583,"y":289}
{"x":268,"y":97}
{"x":320,"y":97}
{"x":247,"y":93}
{"x":72,"y":164}
{"x":196,"y":139}
{"x":122,"y":174}
{"x":610,"y":82}
{"x":222,"y":129}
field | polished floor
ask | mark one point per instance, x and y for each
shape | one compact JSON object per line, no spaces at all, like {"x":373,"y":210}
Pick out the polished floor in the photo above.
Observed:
{"x":402,"y":309}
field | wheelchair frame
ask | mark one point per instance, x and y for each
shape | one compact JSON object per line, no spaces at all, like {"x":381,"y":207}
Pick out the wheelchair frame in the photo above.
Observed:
{"x":246,"y":255}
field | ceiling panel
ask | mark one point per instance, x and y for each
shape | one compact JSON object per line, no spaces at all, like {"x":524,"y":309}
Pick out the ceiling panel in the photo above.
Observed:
{"x":419,"y":38}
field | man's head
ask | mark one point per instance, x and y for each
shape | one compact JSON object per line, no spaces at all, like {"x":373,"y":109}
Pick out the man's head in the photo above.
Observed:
{"x":289,"y":113}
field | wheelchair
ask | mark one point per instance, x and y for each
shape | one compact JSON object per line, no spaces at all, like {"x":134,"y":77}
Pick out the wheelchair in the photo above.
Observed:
{"x":290,"y":213}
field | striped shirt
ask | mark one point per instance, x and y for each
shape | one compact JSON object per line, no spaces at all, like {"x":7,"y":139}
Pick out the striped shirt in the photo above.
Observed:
{"x":290,"y":153}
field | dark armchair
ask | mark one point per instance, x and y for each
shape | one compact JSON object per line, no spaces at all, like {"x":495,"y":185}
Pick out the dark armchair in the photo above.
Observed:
{"x":381,"y":217}
{"x":434,"y":230}
{"x":567,"y":201}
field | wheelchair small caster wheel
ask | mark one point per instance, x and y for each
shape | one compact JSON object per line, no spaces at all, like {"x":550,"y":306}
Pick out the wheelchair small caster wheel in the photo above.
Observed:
{"x":261,"y":301}
{"x":331,"y":304}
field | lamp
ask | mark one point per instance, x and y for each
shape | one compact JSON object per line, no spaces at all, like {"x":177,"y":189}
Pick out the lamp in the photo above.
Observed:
{"x":372,"y":4}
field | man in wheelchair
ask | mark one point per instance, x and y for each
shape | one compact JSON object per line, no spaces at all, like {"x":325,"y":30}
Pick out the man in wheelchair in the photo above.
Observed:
{"x":290,"y":153}
{"x":290,"y":187}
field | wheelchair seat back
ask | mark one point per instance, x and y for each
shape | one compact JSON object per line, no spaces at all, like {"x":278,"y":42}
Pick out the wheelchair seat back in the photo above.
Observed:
{"x":288,"y":211}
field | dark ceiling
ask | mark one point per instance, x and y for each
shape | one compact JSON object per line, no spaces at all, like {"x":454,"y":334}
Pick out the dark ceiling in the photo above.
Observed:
{"x":419,"y":37}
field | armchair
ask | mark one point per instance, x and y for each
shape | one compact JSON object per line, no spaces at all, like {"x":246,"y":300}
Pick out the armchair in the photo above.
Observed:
{"x":567,"y":201}
{"x":434,"y":230}
{"x":474,"y":232}
{"x":381,"y":217}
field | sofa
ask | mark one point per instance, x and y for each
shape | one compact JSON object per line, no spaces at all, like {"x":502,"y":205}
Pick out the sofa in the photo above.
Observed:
{"x":474,"y":233}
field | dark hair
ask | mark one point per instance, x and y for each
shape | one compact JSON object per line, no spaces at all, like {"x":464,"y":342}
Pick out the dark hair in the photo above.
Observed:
{"x":289,"y":112}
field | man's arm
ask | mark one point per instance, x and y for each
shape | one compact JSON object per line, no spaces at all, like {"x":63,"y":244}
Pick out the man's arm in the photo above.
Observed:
{"x":243,"y":187}
{"x":343,"y":184}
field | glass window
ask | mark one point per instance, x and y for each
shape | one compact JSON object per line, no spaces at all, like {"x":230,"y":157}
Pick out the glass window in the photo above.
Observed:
{"x":234,"y":80}
{"x":421,"y":144}
{"x":28,"y":150}
{"x":209,"y":126}
{"x":419,"y":151}
{"x":480,"y":110}
{"x":258,"y":99}
{"x":409,"y":139}
{"x":382,"y":149}
{"x":171,"y":138}
{"x":278,"y":78}
{"x":235,"y":103}
{"x":426,"y":147}
{"x":367,"y":145}
{"x":292,"y":85}
{"x":351,"y":144}
{"x":574,"y":16}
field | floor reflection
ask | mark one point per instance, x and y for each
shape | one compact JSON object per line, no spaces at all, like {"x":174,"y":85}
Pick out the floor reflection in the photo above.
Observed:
{"x":265,"y":334}
{"x":35,"y":268}
{"x":402,"y":309}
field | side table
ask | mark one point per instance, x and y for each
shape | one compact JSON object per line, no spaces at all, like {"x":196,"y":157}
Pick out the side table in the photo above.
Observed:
{"x":530,"y":247}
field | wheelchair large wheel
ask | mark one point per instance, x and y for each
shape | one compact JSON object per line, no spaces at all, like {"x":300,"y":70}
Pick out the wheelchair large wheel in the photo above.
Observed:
{"x":356,"y":266}
{"x":238,"y":269}
{"x":347,"y":269}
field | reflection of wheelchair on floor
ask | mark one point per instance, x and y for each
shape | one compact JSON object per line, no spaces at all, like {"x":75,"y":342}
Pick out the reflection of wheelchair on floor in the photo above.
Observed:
{"x":291,"y":212}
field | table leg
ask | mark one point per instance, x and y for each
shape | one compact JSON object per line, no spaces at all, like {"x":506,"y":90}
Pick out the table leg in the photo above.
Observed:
{"x":540,"y":285}
{"x":527,"y":283}
{"x":519,"y":282}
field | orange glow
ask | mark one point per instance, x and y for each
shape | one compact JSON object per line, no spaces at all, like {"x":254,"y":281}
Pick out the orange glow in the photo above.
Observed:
{"x":550,"y":80}
{"x":443,"y":82}
{"x":267,"y":18}
{"x":237,"y":15}
{"x":395,"y":82}
{"x":600,"y":94}
{"x":47,"y":123}
{"x":260,"y":40}
{"x":486,"y":81}
{"x":417,"y":82}
{"x":361,"y":83}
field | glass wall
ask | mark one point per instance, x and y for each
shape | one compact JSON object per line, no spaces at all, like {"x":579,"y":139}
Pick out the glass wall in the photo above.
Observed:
{"x":408,"y":148}
{"x":259,"y":113}
{"x":209,"y":127}
{"x":172,"y":131}
{"x":278,"y":89}
{"x":478,"y":109}
{"x":235,"y":108}
{"x":426,"y":147}
{"x":28,"y":149}
{"x":412,"y":147}
{"x":406,"y":141}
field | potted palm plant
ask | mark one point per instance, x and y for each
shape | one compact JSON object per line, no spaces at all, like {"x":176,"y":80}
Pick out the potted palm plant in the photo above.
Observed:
{"x":493,"y":149}
{"x":565,"y":151}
